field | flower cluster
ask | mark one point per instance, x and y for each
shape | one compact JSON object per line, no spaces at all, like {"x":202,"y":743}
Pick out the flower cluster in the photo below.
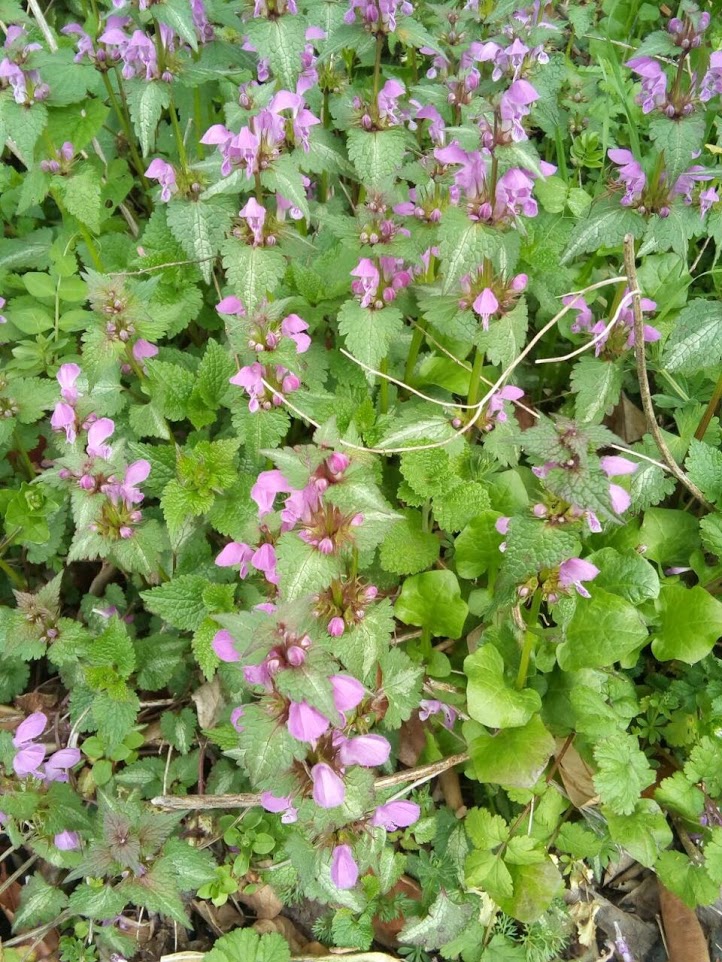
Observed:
{"x":377,"y":283}
{"x":617,"y":339}
{"x":138,"y":51}
{"x":15,"y":71}
{"x":61,"y":162}
{"x":656,"y":197}
{"x":29,"y":760}
{"x":378,"y":16}
{"x":255,"y":147}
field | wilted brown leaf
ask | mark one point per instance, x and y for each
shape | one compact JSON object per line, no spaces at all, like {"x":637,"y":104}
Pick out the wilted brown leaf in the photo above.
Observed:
{"x":683,"y":934}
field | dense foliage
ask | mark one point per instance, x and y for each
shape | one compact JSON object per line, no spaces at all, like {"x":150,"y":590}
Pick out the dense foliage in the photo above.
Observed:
{"x":361,"y":365}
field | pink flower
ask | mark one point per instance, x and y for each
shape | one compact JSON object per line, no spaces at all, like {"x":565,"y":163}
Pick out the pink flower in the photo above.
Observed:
{"x":63,"y":419}
{"x":329,"y":790}
{"x":574,"y":571}
{"x":264,"y":560}
{"x":432,"y":706}
{"x":615,"y":466}
{"x":495,"y":409}
{"x":143,"y":349}
{"x":230,"y":305}
{"x":485,"y":306}
{"x":267,"y":486}
{"x":236,"y":716}
{"x":366,"y":750}
{"x":67,"y":841}
{"x":30,"y":756}
{"x":295,"y":327}
{"x":164,"y":173}
{"x":224,"y":646}
{"x":56,"y":767}
{"x":98,"y":432}
{"x":277,"y":804}
{"x":306,"y":723}
{"x":235,"y":553}
{"x":347,"y":692}
{"x":255,"y":216}
{"x":67,"y":375}
{"x":336,"y":627}
{"x":344,"y":870}
{"x":395,"y":815}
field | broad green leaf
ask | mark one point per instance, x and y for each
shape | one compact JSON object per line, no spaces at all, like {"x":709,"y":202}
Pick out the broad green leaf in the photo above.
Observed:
{"x":433,"y":600}
{"x":491,"y":698}
{"x":604,"y":629}
{"x":147,"y":100}
{"x":626,"y":574}
{"x":642,"y":833}
{"x":463,"y":244}
{"x":605,"y":225}
{"x":623,"y":772}
{"x":597,"y":384}
{"x":680,"y":140}
{"x":689,"y":624}
{"x":513,"y":757}
{"x":252,"y":272}
{"x":669,"y":536}
{"x":704,"y":467}
{"x":696,"y":340}
{"x":476,"y":549}
{"x":376,"y":155}
{"x":200,"y":227}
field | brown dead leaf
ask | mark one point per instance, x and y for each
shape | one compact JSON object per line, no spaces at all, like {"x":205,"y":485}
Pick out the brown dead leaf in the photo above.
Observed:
{"x":297,"y":942}
{"x":209,"y":703}
{"x":412,"y":741}
{"x":36,"y":701}
{"x":685,"y":939}
{"x":627,"y":421}
{"x":576,"y":776}
{"x":583,"y":915}
{"x":264,"y":903}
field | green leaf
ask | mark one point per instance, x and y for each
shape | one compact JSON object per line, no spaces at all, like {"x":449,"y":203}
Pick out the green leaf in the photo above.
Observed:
{"x":711,"y":533}
{"x":171,"y":387}
{"x":688,"y":881}
{"x":535,"y":887}
{"x":463,"y":244}
{"x":252,"y":272}
{"x":178,"y":602}
{"x":378,"y":155}
{"x":597,"y":384}
{"x":643,"y":833}
{"x":407,"y":548}
{"x":713,"y":856}
{"x":669,"y":535}
{"x":506,"y":335}
{"x":623,"y":772}
{"x":23,"y":125}
{"x":39,"y":903}
{"x":302,"y":568}
{"x":602,"y":631}
{"x":283,"y":42}
{"x":147,"y":100}
{"x":369,"y":333}
{"x":605,"y":225}
{"x":696,"y":339}
{"x":115,"y":714}
{"x":454,"y":509}
{"x":433,"y":600}
{"x":689,"y":624}
{"x":177,"y":15}
{"x":401,"y":684}
{"x":476,"y":549}
{"x":286,"y":179}
{"x":672,"y":232}
{"x":626,"y":574}
{"x":513,"y":757}
{"x":445,"y":921}
{"x":81,"y":198}
{"x":676,"y":794}
{"x":704,"y":466}
{"x":679,"y":139}
{"x":96,"y":902}
{"x":491,"y":700}
{"x":200,"y":228}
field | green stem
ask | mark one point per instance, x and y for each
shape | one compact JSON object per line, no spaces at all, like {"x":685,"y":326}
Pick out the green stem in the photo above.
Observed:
{"x":710,"y":410}
{"x":182,"y":156}
{"x":198,"y":120}
{"x":92,"y":249}
{"x":377,"y":66}
{"x":259,"y":187}
{"x":24,"y":457}
{"x":475,"y":382}
{"x":124,"y":121}
{"x":561,"y":155}
{"x":417,"y":339}
{"x":384,"y":388}
{"x":425,"y":643}
{"x":529,"y":641}
{"x":16,"y":579}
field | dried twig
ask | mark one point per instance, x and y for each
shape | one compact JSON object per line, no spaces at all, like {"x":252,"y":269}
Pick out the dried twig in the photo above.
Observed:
{"x":184,"y":803}
{"x":644,"y":390}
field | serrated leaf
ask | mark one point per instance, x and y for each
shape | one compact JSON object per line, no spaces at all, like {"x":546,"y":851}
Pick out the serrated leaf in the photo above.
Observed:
{"x":39,"y":903}
{"x":147,"y":100}
{"x":177,"y":14}
{"x":252,"y":272}
{"x":302,"y":568}
{"x":81,"y":198}
{"x":597,"y":384}
{"x":401,"y":684}
{"x":407,"y":548}
{"x":704,"y":467}
{"x":369,"y":333}
{"x":178,"y":602}
{"x":199,"y":227}
{"x":679,"y":139}
{"x":463,"y":244}
{"x":605,"y":226}
{"x":623,"y":773}
{"x":696,"y":340}
{"x":376,"y":155}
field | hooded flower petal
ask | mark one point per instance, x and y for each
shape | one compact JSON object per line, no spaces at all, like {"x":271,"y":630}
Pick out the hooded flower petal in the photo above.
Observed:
{"x":366,"y":750}
{"x":395,"y":815}
{"x":329,"y":790}
{"x":347,"y":692}
{"x":224,"y":646}
{"x":28,"y":730}
{"x":305,"y":722}
{"x":344,"y":870}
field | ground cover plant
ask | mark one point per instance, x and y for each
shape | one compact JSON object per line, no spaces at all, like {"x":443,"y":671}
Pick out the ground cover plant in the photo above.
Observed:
{"x":360,"y":558}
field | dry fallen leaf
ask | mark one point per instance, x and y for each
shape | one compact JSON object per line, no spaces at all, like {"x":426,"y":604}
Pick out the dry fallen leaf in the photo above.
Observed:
{"x":686,"y":942}
{"x":264,"y":903}
{"x":576,"y":776}
{"x":209,"y":703}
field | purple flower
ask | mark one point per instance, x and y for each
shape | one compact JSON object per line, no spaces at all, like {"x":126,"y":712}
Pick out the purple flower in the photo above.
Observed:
{"x":615,"y":466}
{"x":366,"y":750}
{"x":431,"y":706}
{"x":654,"y":82}
{"x":387,"y":101}
{"x":267,"y":486}
{"x":67,"y":841}
{"x":630,"y":174}
{"x":63,"y":419}
{"x":143,"y":349}
{"x":236,"y":716}
{"x":574,"y":571}
{"x":306,"y":723}
{"x":57,"y":766}
{"x":30,"y":756}
{"x":235,"y":553}
{"x":495,"y":408}
{"x":712,"y":80}
{"x":295,"y":327}
{"x":3,"y":319}
{"x":336,"y":627}
{"x":230,"y":305}
{"x":164,"y":173}
{"x":344,"y":870}
{"x":98,"y":432}
{"x":515,"y":105}
{"x":67,"y":375}
{"x":255,"y":215}
{"x":264,"y":560}
{"x":707,"y":198}
{"x":486,"y":305}
{"x":329,"y":790}
{"x":685,"y":183}
{"x":277,"y":804}
{"x":584,"y":318}
{"x":347,"y":692}
{"x":368,"y":281}
{"x":224,"y":646}
{"x":394,"y":815}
